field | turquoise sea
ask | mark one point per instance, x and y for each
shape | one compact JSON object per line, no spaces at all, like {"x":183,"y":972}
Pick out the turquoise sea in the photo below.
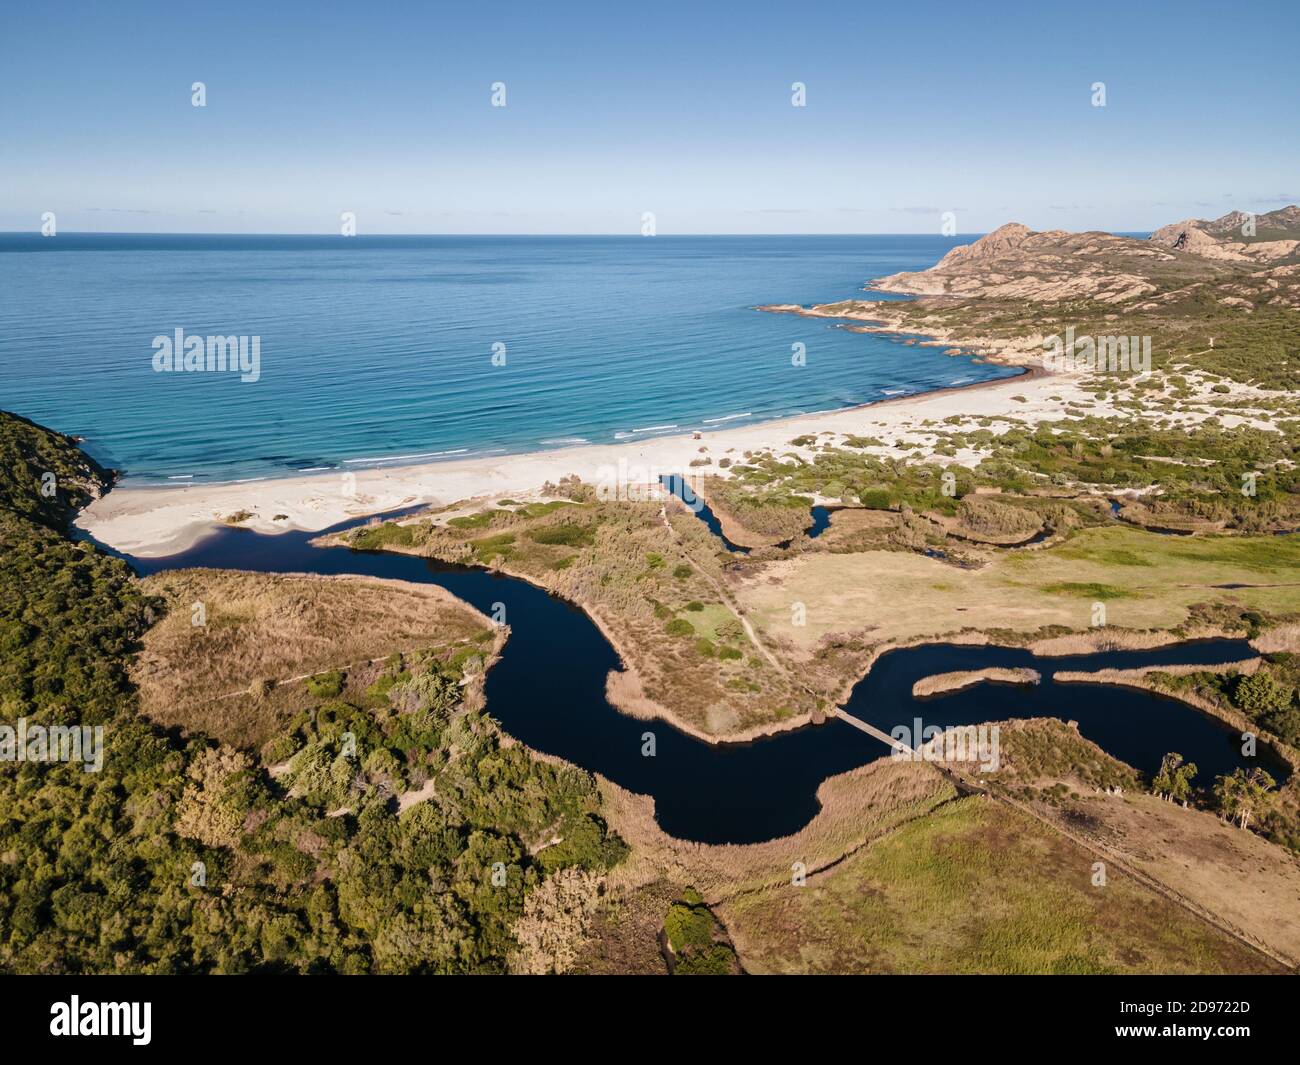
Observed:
{"x":379,"y":350}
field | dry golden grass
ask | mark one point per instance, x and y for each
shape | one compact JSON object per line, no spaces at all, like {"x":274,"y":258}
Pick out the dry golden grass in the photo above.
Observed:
{"x":938,"y":683}
{"x":1280,"y":638}
{"x":1146,"y":582}
{"x":1111,"y":639}
{"x":1235,"y":878}
{"x":1251,"y":885}
{"x":270,"y":627}
{"x":974,"y":887}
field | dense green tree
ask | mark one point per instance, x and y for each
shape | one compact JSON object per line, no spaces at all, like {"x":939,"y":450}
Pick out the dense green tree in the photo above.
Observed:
{"x":1174,"y":781}
{"x":182,"y":855}
{"x":1244,"y":795}
{"x":1261,"y":694}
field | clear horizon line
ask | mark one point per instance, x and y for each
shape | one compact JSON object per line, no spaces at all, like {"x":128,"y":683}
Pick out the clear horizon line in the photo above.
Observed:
{"x":629,"y":236}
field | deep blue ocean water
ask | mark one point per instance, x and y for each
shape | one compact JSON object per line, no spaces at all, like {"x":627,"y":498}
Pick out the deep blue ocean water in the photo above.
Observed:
{"x":378,"y":350}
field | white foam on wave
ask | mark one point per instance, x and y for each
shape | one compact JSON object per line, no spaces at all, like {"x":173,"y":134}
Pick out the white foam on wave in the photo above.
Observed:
{"x":728,"y":418}
{"x":640,"y":434}
{"x":403,"y":458}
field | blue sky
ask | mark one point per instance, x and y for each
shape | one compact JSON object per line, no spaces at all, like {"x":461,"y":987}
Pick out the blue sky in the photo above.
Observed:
{"x":613,"y":110}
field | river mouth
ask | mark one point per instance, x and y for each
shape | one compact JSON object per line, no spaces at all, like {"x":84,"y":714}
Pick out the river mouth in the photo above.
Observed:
{"x":548,"y":691}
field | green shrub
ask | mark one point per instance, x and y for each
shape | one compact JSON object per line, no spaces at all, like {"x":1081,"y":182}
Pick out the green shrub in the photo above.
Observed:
{"x":326,"y":685}
{"x":1261,"y":694}
{"x":587,"y":843}
{"x":377,"y":537}
{"x":688,"y":927}
{"x":96,"y":866}
{"x":566,"y":534}
{"x":481,"y":520}
{"x":713,"y":961}
{"x":486,"y":548}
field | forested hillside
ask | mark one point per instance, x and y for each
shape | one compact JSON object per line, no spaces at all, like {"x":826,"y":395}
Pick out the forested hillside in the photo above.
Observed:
{"x":186,"y":855}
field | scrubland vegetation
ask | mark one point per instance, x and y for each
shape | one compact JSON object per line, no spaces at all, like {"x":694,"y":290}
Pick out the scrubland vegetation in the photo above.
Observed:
{"x":653,"y":581}
{"x":757,"y":517}
{"x":1055,"y":474}
{"x":1252,"y":346}
{"x":399,"y":833}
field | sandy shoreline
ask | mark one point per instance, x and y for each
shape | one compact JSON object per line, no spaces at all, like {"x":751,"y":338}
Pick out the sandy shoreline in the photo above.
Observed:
{"x":153,"y":522}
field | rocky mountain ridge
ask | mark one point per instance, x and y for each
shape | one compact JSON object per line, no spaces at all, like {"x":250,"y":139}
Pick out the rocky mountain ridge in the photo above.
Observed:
{"x":1017,"y":263}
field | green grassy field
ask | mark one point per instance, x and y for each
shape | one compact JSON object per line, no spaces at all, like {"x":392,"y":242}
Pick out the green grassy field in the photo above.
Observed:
{"x":974,"y":888}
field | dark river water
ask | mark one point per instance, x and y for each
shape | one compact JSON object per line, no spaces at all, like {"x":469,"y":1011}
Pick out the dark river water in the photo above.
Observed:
{"x":548,"y":690}
{"x":680,"y":487}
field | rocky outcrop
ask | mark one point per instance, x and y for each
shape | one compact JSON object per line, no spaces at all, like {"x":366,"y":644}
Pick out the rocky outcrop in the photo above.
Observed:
{"x":1002,"y":240}
{"x":1275,"y":236}
{"x":1016,"y":263}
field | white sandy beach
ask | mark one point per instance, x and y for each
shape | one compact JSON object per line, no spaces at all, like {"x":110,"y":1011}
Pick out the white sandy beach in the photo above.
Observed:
{"x":151,"y":521}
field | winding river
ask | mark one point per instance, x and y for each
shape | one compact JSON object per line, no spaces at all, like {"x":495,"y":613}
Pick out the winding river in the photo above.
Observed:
{"x":548,"y":690}
{"x":678,"y":486}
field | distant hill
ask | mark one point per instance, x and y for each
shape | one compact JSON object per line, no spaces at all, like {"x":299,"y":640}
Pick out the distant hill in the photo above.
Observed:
{"x":1276,"y":236}
{"x":1209,"y":300}
{"x":1014,"y":262}
{"x":1018,"y":264}
{"x":1282,"y":224}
